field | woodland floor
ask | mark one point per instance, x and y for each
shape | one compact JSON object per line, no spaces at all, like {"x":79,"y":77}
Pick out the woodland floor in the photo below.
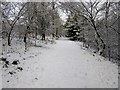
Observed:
{"x":63,"y":64}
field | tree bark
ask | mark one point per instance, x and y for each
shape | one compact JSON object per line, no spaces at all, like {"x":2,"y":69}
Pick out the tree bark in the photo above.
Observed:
{"x":99,"y":37}
{"x":9,"y":36}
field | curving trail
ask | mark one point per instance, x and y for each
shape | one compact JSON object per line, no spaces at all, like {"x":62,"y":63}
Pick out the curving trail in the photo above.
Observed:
{"x":64,"y":65}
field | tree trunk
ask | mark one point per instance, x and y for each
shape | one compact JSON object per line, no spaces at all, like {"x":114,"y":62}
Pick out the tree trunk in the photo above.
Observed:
{"x":25,"y":38}
{"x":9,"y":36}
{"x":98,"y":35}
{"x":43,"y":36}
{"x":106,"y":27}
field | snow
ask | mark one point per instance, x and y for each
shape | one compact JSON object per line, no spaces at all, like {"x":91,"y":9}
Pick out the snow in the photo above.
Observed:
{"x":64,"y":64}
{"x":0,"y":65}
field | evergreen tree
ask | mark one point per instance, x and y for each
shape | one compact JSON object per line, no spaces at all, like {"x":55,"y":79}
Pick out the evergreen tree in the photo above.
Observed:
{"x":72,"y":27}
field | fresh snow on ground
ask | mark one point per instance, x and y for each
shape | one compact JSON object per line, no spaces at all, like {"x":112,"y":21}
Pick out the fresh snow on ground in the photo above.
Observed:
{"x":0,"y":65}
{"x":64,"y":64}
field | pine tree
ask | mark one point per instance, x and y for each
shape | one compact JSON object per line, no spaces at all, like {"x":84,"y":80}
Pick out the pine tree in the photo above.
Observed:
{"x":72,"y":27}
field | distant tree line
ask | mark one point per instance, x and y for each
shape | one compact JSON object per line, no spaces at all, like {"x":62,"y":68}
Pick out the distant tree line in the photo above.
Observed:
{"x":96,"y":24}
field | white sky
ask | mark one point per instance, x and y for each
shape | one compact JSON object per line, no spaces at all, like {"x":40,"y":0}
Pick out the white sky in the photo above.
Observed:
{"x":62,"y":15}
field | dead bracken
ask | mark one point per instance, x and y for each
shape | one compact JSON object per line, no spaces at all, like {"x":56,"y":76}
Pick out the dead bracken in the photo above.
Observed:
{"x":15,"y":62}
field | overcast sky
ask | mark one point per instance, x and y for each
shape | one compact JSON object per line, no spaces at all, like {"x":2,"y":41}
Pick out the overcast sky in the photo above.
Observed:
{"x":62,"y":15}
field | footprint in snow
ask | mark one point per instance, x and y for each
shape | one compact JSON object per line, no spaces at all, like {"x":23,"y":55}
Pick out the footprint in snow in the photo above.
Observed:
{"x":12,"y":73}
{"x":31,"y":57}
{"x":36,"y":78}
{"x":23,"y":58}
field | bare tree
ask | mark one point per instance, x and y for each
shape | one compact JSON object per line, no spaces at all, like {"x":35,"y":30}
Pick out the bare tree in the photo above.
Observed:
{"x":12,"y":17}
{"x":106,"y":26}
{"x":90,"y":11}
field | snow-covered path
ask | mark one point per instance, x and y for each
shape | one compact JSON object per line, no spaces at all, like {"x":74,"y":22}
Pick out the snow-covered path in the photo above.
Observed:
{"x":64,"y":65}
